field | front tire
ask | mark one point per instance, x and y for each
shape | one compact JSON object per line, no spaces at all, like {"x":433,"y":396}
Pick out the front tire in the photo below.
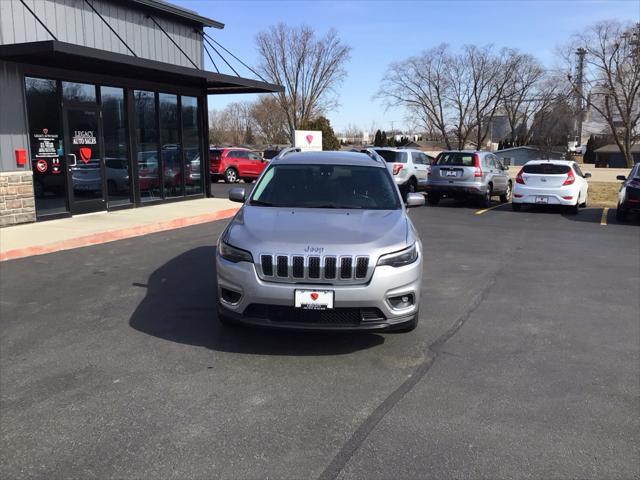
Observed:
{"x":506,"y":196}
{"x":230,"y":175}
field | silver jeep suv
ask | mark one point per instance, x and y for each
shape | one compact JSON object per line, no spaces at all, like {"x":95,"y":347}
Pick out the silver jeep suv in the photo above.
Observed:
{"x":468,"y":174}
{"x":323,"y":242}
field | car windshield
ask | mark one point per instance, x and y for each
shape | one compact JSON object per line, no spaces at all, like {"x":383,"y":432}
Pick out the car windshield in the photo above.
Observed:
{"x":546,"y":169}
{"x":326,"y":186}
{"x":456,"y":158}
{"x":392,"y":156}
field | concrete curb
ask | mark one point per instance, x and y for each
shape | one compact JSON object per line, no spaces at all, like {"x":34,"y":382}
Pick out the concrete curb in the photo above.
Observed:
{"x":113,"y":235}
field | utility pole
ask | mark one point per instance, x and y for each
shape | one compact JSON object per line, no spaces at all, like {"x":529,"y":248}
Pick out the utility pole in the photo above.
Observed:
{"x":580,"y":52}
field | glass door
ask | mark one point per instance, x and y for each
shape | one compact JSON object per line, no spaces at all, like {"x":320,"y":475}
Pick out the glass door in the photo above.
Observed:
{"x":84,"y":159}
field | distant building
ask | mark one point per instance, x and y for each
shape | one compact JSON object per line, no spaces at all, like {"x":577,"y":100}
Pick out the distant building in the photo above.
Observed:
{"x":611,"y":156}
{"x":521,"y":155}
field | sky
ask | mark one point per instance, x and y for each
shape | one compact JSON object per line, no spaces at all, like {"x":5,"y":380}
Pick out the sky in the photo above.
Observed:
{"x":382,"y":32}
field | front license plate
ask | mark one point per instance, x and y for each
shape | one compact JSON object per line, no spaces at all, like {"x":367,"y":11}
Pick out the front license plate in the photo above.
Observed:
{"x":542,"y":199}
{"x":314,"y":299}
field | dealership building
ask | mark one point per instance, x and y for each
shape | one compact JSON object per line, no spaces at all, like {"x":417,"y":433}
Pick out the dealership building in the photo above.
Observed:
{"x":103,"y":106}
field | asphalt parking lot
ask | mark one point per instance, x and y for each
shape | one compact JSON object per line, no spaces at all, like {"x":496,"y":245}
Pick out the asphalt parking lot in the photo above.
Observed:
{"x":524,"y":364}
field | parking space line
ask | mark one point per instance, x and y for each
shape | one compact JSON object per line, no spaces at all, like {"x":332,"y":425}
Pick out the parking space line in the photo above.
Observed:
{"x":603,"y":219}
{"x":480,"y":212}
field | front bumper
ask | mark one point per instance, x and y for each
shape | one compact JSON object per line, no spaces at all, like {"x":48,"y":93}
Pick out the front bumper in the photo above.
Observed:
{"x":386,"y":282}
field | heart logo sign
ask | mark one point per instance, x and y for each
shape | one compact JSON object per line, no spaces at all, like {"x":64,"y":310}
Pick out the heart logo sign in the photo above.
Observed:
{"x":45,"y":131}
{"x":85,"y":154}
{"x":309,"y":139}
{"x":314,"y":296}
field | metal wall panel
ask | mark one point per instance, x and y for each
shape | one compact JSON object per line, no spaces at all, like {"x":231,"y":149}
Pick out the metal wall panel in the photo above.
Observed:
{"x":13,"y":123}
{"x":73,"y":21}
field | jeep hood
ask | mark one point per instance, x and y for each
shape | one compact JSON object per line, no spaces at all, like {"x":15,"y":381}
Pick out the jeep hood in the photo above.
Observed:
{"x":319,"y":231}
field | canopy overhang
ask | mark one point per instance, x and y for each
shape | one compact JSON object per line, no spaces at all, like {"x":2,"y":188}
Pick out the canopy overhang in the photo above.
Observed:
{"x":64,"y":55}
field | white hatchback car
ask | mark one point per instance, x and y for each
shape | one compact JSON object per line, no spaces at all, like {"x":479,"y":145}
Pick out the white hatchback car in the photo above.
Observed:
{"x":551,"y":182}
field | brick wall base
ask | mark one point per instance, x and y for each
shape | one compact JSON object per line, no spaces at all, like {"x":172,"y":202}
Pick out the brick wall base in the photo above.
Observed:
{"x":17,"y":202}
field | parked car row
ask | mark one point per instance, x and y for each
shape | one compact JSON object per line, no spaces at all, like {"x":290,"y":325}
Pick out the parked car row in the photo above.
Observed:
{"x":464,"y":175}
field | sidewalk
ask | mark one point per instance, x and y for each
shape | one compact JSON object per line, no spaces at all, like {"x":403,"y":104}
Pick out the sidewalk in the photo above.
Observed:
{"x":55,"y":235}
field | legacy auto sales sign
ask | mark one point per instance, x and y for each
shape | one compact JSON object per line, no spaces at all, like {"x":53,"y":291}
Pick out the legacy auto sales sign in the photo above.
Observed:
{"x":84,"y":137}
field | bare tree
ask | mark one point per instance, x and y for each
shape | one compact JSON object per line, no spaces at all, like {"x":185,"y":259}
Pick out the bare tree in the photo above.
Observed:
{"x":490,"y":73}
{"x":552,"y":124}
{"x":233,"y":125}
{"x":524,"y":95}
{"x":421,"y":84}
{"x":611,"y":79}
{"x":270,"y":120}
{"x":217,"y":127}
{"x":239,"y":122}
{"x":308,"y":67}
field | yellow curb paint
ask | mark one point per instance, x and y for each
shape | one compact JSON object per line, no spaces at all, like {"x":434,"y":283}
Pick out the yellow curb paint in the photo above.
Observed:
{"x":480,"y":212}
{"x":603,"y":219}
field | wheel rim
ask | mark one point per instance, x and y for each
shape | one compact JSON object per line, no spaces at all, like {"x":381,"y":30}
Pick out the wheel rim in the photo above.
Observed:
{"x":231,"y":176}
{"x":508,"y":191}
{"x":412,"y":188}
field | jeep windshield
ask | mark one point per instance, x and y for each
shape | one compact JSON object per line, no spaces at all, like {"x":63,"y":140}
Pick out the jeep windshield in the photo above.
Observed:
{"x":326,"y":186}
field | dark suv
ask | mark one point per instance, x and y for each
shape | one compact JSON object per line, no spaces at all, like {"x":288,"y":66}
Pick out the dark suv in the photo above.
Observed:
{"x":467,"y":174}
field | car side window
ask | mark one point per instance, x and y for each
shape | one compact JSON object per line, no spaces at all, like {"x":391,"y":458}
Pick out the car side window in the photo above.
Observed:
{"x":240,"y":154}
{"x":417,"y":158}
{"x":577,"y":169}
{"x":491,"y":163}
{"x":253,"y":156}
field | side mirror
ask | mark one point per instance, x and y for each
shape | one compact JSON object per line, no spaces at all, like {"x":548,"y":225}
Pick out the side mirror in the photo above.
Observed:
{"x":587,"y":175}
{"x":415,"y":200}
{"x":237,"y":194}
{"x":622,"y":178}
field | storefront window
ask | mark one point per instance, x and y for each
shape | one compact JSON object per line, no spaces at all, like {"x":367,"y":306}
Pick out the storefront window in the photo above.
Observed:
{"x":170,"y":142}
{"x":147,"y":146}
{"x":45,"y":137}
{"x":78,"y":92}
{"x":116,"y":158}
{"x":191,"y":145}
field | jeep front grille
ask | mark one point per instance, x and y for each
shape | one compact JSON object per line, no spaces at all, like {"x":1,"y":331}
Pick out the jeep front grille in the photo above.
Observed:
{"x":314,"y":268}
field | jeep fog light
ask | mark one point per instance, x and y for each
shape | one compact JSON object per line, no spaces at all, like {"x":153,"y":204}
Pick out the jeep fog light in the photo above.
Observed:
{"x":401,"y":301}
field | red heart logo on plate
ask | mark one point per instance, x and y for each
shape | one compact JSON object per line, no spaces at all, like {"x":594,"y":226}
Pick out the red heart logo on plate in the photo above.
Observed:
{"x":45,"y":131}
{"x":314,"y":296}
{"x":85,"y":154}
{"x":309,"y":139}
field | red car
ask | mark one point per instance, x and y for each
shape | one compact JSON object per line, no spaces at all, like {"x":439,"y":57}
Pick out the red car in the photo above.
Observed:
{"x":233,"y":164}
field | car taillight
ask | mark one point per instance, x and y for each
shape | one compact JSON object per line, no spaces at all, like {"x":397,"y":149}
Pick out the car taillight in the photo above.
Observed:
{"x":476,"y":163}
{"x":396,"y":168}
{"x":570,"y":178}
{"x":519,"y":178}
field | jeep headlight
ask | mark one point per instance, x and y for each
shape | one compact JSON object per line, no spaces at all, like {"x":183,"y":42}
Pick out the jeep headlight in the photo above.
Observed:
{"x":233,"y":254}
{"x":401,"y":258}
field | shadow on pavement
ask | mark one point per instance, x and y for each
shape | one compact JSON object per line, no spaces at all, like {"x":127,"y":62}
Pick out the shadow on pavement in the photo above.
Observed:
{"x":180,"y":307}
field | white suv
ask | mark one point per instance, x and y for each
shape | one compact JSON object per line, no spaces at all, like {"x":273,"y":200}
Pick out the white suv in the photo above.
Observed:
{"x":409,"y":167}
